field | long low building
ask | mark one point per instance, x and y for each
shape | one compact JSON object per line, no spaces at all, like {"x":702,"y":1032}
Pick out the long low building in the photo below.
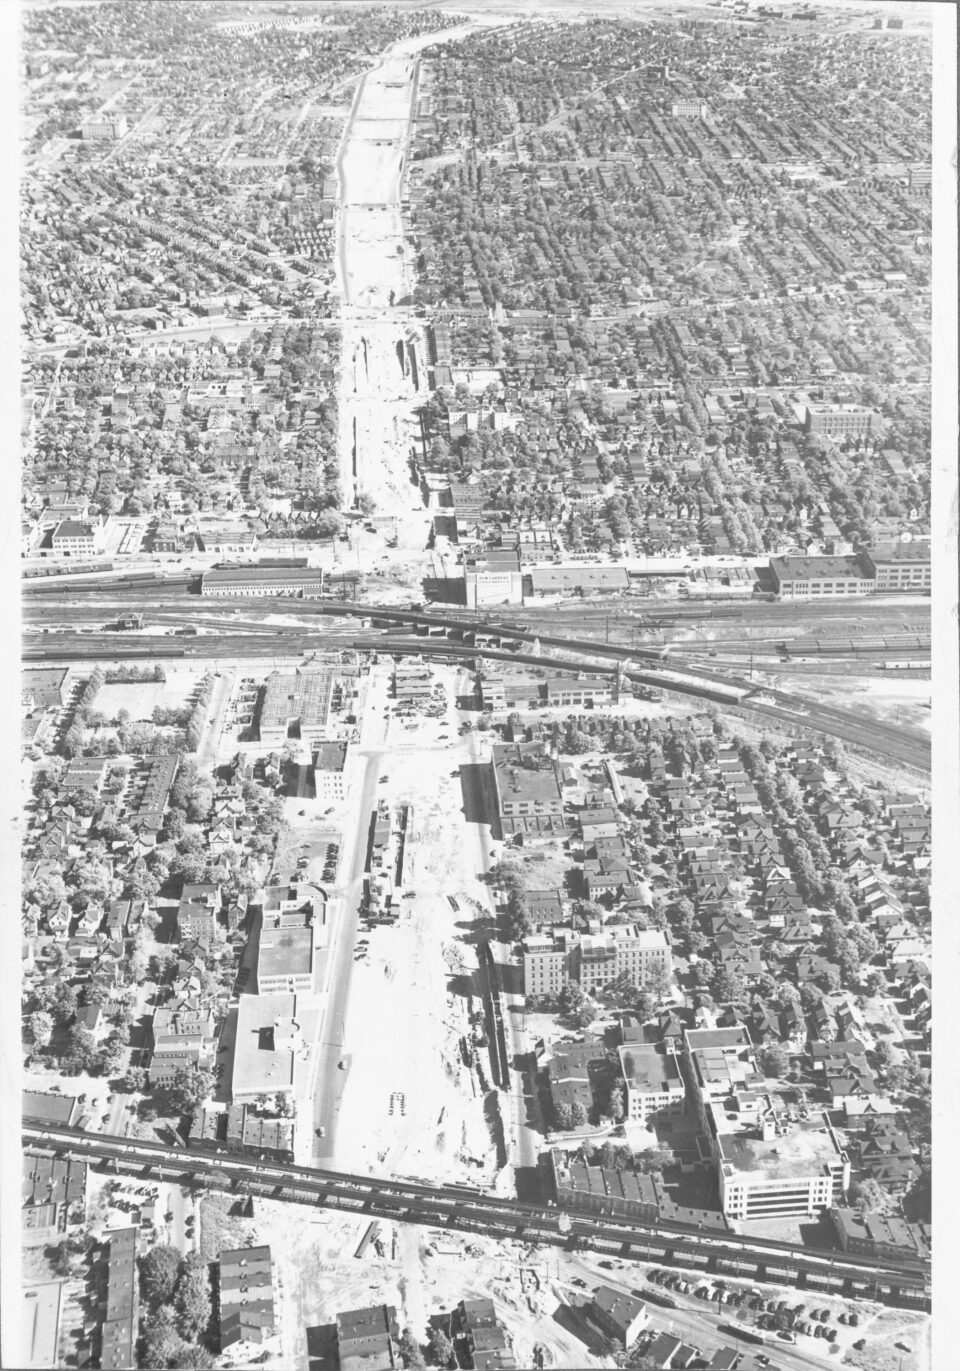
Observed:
{"x":574,"y":580}
{"x":263,"y":581}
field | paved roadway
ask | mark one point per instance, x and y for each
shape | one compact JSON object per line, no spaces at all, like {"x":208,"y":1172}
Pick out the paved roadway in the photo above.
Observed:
{"x":696,"y":1321}
{"x":331,"y":1049}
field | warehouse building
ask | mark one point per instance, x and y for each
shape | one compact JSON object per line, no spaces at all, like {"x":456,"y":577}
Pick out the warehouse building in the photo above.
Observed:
{"x":898,"y":566}
{"x":493,"y":578}
{"x":527,"y":787}
{"x":296,"y":703}
{"x":44,"y":687}
{"x":263,"y":581}
{"x":809,"y":578}
{"x":581,"y":579}
{"x":273,"y":1050}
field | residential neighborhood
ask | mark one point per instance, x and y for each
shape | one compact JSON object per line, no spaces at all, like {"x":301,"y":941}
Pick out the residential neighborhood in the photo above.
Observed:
{"x":477,"y":757}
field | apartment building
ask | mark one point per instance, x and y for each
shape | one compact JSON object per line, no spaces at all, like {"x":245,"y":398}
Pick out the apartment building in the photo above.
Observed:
{"x":118,"y":1336}
{"x":594,"y":959}
{"x":108,"y":128}
{"x":247,"y":1316}
{"x":841,"y":421}
{"x":689,"y":109}
{"x":367,"y":1338}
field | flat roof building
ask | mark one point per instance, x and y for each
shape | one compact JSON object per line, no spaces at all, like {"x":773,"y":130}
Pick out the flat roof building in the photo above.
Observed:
{"x":899,"y":566}
{"x":554,"y":955}
{"x":296,"y":703}
{"x":527,"y":786}
{"x":40,"y":1324}
{"x":841,"y":421}
{"x":42,"y":687}
{"x":808,"y":578}
{"x":654,"y":1085}
{"x":46,"y":1107}
{"x":879,"y":1235}
{"x":769,"y":1161}
{"x":330,"y":775}
{"x":285,"y":960}
{"x":275,"y":1036}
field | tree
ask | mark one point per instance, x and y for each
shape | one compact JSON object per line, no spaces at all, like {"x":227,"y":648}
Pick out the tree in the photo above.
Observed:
{"x":578,"y":1114}
{"x":620,"y":992}
{"x":41,"y":1027}
{"x":869,"y":1195}
{"x":163,"y":1345}
{"x":159,"y":1272}
{"x":773,"y":1060}
{"x":60,"y":1001}
{"x":193,"y":1296}
{"x":82,"y":1045}
{"x":188,"y":1090}
{"x":441,"y":1348}
{"x":366,"y":503}
{"x":727,"y":985}
{"x":618,"y":1102}
{"x":659,"y":983}
{"x":410,"y":1349}
{"x":563,"y":1115}
{"x":810,"y":996}
{"x":134,"y":1081}
{"x":574,"y":1004}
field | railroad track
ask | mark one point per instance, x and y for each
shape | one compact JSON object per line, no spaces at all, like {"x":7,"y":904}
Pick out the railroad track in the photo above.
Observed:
{"x":696,"y":679}
{"x":465,"y":1208}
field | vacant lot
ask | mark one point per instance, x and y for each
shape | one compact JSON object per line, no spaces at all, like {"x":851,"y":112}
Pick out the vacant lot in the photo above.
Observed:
{"x":141,"y":698}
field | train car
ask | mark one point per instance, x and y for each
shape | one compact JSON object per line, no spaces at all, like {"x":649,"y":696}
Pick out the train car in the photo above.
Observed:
{"x":739,"y":1330}
{"x":658,"y":1297}
{"x":733,"y":1266}
{"x":816,"y":1280}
